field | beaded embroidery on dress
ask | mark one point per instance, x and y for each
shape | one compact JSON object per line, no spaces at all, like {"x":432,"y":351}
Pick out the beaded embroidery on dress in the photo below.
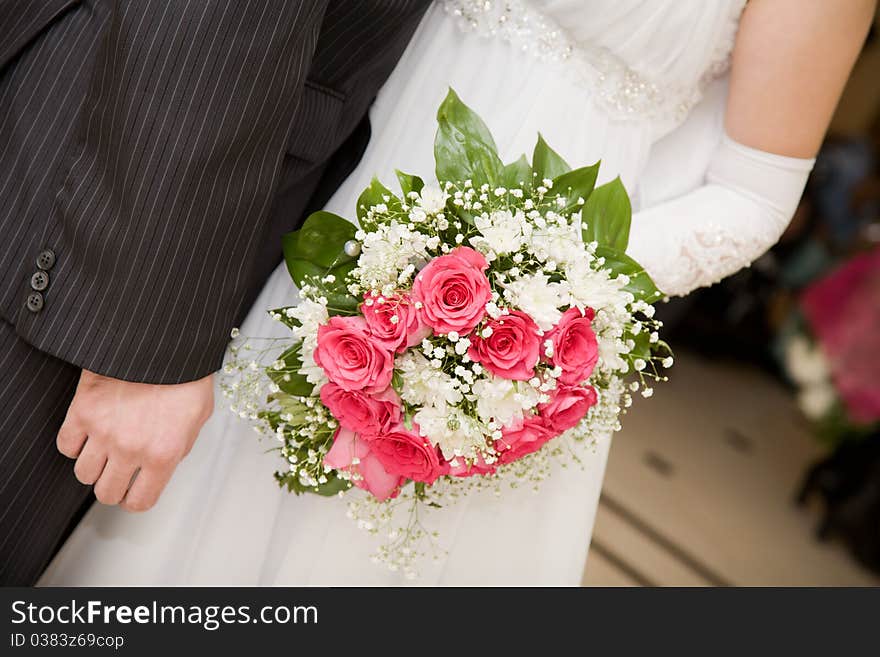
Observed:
{"x":621,"y":90}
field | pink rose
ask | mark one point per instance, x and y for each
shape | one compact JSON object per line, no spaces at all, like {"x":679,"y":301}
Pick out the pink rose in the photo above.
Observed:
{"x":525,"y":437}
{"x":453,"y":291}
{"x":370,"y":474}
{"x":351,"y":358}
{"x":394,"y":321}
{"x":567,"y":407}
{"x":406,"y":454}
{"x":464,"y":468}
{"x":513,"y":348}
{"x":361,"y":412}
{"x":575,"y":349}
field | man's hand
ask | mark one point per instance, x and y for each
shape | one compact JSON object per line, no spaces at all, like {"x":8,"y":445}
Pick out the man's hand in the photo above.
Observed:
{"x":118,"y":429}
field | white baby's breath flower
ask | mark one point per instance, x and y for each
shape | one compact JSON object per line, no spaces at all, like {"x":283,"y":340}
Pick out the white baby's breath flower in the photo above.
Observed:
{"x":493,"y":310}
{"x":462,"y":345}
{"x":387,"y":252}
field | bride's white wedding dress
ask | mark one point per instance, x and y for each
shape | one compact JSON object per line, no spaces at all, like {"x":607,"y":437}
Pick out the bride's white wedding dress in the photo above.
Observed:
{"x":625,"y":81}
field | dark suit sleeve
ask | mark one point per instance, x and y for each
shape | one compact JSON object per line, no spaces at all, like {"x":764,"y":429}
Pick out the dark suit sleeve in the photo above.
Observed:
{"x":163,"y":193}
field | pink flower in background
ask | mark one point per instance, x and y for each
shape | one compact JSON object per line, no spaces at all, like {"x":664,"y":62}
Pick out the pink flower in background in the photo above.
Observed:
{"x":512,"y":349}
{"x":567,"y":407}
{"x":394,"y":321}
{"x":843,"y":310}
{"x":575,"y":348}
{"x":358,"y":411}
{"x":407,"y":454}
{"x":351,"y":453}
{"x":523,"y":438}
{"x":351,"y":357}
{"x":454,"y":291}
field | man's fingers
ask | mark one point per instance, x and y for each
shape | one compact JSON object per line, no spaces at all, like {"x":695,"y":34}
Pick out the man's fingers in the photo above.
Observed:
{"x":114,"y":481}
{"x":71,"y":438}
{"x":90,"y":462}
{"x":146,"y":489}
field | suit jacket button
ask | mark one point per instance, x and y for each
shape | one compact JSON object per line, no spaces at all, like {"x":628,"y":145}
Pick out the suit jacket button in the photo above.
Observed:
{"x":46,"y":259}
{"x":35,"y":302}
{"x":40,"y":281}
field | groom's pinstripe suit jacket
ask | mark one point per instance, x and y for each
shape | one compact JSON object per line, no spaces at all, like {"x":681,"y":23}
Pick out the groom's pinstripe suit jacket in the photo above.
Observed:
{"x":151,"y":154}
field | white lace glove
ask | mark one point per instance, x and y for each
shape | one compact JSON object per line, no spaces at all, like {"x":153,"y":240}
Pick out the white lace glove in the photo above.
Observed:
{"x":716,"y":230}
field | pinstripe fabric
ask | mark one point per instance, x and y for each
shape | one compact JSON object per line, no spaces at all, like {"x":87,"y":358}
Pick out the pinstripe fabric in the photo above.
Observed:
{"x":171,"y":118}
{"x":142,"y":142}
{"x":22,"y":20}
{"x":39,"y":495}
{"x":359,"y":44}
{"x":158,"y":148}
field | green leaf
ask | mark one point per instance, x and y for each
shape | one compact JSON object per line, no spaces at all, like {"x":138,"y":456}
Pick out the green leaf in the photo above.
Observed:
{"x":397,"y":380}
{"x":409,"y":183}
{"x":641,"y":286}
{"x":453,"y":111}
{"x":288,"y":378}
{"x":546,"y":163}
{"x":642,"y":346}
{"x":606,"y":216}
{"x":576,"y":185}
{"x":316,"y":250}
{"x":458,"y":212}
{"x":320,"y":241}
{"x":333,"y":486}
{"x":292,"y":407}
{"x":463,"y":147}
{"x":339,"y":301}
{"x":375,"y":194}
{"x":517,"y":174}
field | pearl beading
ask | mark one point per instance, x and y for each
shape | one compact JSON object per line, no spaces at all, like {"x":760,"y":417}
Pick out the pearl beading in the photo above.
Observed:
{"x":621,"y":91}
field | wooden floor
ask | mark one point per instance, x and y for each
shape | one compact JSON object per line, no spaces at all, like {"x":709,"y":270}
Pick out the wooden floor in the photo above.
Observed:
{"x":700,"y":485}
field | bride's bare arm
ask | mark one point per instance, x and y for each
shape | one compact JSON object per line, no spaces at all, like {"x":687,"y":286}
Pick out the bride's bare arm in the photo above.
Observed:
{"x":790,"y":63}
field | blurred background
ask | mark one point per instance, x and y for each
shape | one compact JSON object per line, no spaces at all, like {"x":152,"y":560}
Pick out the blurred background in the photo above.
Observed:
{"x":758,"y":463}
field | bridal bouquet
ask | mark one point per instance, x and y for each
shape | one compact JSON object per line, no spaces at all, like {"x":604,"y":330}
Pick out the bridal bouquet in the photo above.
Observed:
{"x":460,"y":331}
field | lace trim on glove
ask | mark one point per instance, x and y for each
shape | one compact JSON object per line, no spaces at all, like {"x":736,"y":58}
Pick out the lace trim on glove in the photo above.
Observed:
{"x":715,"y":251}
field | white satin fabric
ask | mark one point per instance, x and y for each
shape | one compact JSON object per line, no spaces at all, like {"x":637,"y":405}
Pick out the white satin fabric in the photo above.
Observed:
{"x":223,"y":520}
